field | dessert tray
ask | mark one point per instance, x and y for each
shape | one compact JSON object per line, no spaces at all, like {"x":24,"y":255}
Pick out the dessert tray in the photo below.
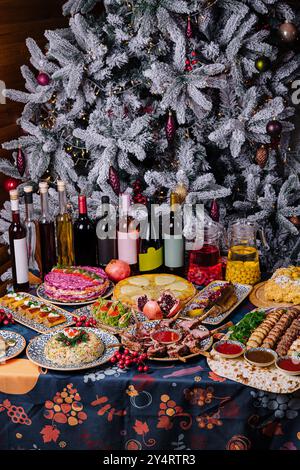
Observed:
{"x":30,"y":311}
{"x":11,"y":345}
{"x":36,"y":351}
{"x":151,"y":286}
{"x":216,"y":302}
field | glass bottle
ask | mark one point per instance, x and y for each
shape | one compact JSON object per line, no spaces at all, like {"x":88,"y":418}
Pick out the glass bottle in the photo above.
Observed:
{"x":150,"y":247}
{"x":64,"y":229}
{"x":31,"y":230}
{"x":84,"y":236}
{"x":205,"y":263}
{"x":106,"y":241}
{"x":47,"y":232}
{"x":174,"y":240}
{"x":18,"y":248}
{"x":128,"y":234}
{"x":243,"y":257}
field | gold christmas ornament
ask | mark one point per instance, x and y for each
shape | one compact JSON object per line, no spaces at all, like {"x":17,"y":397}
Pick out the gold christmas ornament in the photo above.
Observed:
{"x":261,"y":157}
{"x":288,"y":32}
{"x":181,"y":192}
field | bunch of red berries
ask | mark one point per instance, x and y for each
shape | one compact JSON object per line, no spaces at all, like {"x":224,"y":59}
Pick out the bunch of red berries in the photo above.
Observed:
{"x":126,"y":359}
{"x":83,"y":320}
{"x":190,"y":62}
{"x":6,"y":318}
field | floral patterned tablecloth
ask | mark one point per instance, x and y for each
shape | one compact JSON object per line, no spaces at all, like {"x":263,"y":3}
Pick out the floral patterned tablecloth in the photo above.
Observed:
{"x":174,"y":407}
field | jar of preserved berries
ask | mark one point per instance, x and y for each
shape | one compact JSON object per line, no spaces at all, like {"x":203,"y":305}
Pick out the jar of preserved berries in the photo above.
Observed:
{"x":205,"y":264}
{"x":243,"y":257}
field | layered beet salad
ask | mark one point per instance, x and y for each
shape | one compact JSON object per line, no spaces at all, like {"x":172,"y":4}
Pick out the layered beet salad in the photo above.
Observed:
{"x":74,"y":284}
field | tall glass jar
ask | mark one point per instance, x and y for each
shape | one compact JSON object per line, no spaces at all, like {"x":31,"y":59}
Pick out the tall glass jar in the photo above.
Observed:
{"x":243,"y":257}
{"x":205,"y":263}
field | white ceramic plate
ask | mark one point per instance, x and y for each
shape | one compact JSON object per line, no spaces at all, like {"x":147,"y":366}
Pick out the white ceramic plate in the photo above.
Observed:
{"x":12,"y":351}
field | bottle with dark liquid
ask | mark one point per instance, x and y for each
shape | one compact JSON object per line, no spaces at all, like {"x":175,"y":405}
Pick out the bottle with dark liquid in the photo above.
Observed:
{"x":47,"y":232}
{"x":64,"y":229}
{"x":151,"y":247}
{"x":31,"y":230}
{"x":18,"y":247}
{"x":106,"y":241}
{"x":174,"y":241}
{"x":128,"y":235}
{"x":84,"y":236}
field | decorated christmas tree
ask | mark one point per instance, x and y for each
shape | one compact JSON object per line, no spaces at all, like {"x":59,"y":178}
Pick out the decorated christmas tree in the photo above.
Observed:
{"x":154,"y":96}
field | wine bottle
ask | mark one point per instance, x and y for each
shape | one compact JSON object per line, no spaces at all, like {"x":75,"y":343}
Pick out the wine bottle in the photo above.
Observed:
{"x":174,"y":242}
{"x":47,"y":232}
{"x":84,"y":236}
{"x":31,"y":230}
{"x":128,"y":235}
{"x":64,"y":230}
{"x":106,"y":241}
{"x":18,"y":247}
{"x":151,"y":247}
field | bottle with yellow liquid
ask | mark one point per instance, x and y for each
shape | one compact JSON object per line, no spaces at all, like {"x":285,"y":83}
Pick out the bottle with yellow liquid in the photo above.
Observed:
{"x":64,"y":230}
{"x":243,"y":257}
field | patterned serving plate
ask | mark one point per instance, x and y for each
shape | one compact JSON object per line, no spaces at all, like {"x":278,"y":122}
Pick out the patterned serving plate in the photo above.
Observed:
{"x":87,"y":311}
{"x":205,"y":344}
{"x":35,"y":325}
{"x":36,"y":347}
{"x":241,"y":290}
{"x":12,"y":351}
{"x":42,"y":295}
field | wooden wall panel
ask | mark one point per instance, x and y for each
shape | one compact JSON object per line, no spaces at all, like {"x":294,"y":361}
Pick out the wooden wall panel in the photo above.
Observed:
{"x":20,"y":19}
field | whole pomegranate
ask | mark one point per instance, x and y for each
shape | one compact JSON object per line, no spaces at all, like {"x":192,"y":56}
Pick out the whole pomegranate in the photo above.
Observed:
{"x":117,"y":270}
{"x":152,"y":310}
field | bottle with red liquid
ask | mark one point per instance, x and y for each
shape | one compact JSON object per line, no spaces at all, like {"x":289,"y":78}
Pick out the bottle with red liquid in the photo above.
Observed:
{"x":205,"y":263}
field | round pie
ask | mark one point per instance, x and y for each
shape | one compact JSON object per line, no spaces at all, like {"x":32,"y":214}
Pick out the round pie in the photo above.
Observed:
{"x":153,"y":285}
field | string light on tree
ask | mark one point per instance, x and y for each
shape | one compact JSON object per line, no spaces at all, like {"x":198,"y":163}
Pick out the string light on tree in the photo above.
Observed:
{"x":262,"y":64}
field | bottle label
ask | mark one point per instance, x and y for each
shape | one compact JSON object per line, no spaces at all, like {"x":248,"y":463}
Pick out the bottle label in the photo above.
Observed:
{"x":174,"y":252}
{"x":21,"y":261}
{"x":128,"y":246}
{"x":151,"y":260}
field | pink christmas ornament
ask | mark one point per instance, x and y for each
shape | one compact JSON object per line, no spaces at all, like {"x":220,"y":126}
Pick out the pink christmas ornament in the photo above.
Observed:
{"x":43,"y":79}
{"x":170,"y":128}
{"x":21,"y":162}
{"x":214,"y":211}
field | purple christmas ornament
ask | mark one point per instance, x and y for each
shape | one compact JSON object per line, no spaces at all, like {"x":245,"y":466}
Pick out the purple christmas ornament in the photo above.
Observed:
{"x":274,"y":128}
{"x":114,"y":180}
{"x":170,"y":128}
{"x":214,"y":211}
{"x":189,"y":28}
{"x":43,"y":79}
{"x":21,"y":162}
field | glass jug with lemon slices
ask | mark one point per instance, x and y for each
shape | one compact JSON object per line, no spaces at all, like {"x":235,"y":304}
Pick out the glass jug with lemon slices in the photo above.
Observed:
{"x":243,"y":257}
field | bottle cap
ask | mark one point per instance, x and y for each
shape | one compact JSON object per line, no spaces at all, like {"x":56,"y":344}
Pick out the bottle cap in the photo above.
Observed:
{"x":14,"y":194}
{"x":28,"y":189}
{"x":61,"y":185}
{"x":43,"y":185}
{"x":82,"y":204}
{"x":173,"y":199}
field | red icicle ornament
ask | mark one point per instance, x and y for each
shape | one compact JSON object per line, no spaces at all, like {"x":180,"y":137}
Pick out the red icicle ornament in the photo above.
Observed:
{"x":189,"y":28}
{"x":170,"y":128}
{"x":21,"y":162}
{"x":114,"y":180}
{"x":214,"y":211}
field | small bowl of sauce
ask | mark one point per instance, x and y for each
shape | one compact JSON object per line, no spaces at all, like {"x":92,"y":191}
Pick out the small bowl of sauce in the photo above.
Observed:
{"x":229,"y":349}
{"x":289,"y":365}
{"x":166,"y":336}
{"x":261,"y":357}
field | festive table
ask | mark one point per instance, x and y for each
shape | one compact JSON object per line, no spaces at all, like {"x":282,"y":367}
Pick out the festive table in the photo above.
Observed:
{"x":175,"y":406}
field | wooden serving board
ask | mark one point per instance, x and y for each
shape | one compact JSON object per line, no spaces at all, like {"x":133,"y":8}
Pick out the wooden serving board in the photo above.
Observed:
{"x":257,"y":298}
{"x":268,"y":379}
